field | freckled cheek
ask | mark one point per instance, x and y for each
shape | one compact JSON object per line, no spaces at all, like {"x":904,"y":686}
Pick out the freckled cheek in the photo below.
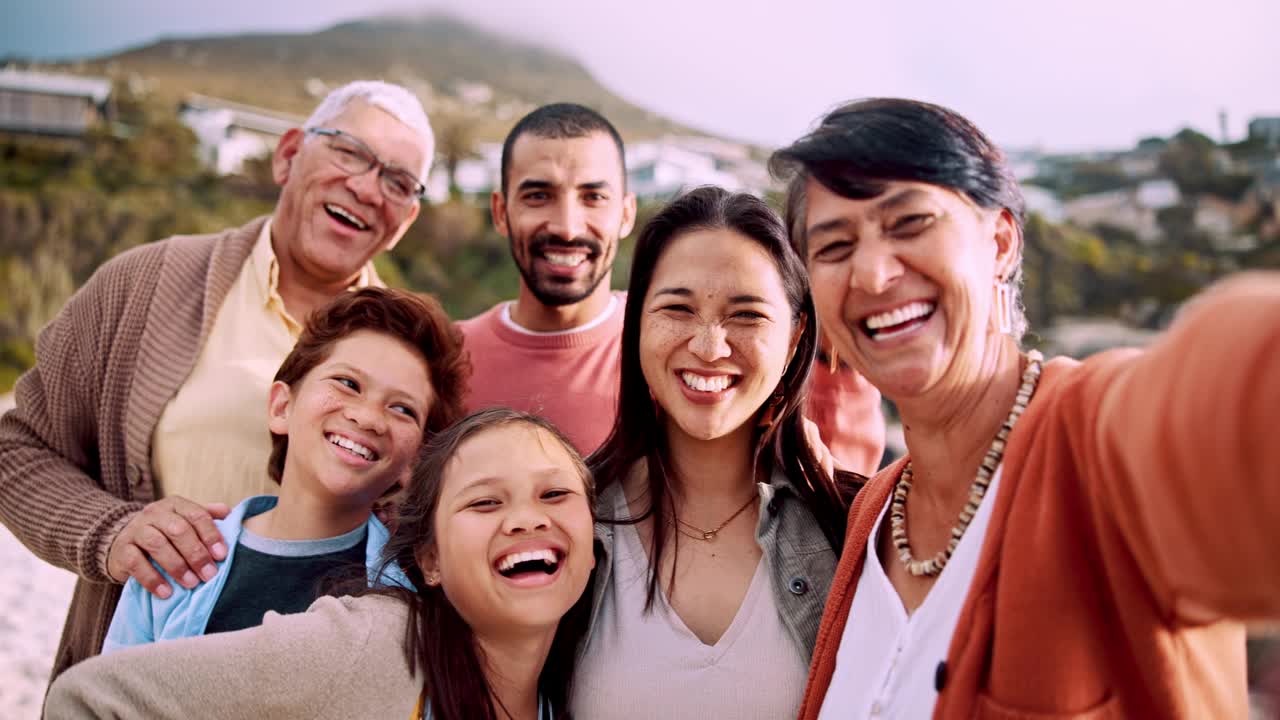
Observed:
{"x":407,"y":437}
{"x":329,"y":402}
{"x":659,"y":339}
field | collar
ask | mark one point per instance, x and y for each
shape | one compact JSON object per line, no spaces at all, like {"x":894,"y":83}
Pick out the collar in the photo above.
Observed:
{"x":266,"y":274}
{"x":505,"y":317}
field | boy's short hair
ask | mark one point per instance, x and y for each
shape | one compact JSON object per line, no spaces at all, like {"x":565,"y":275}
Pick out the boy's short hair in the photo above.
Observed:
{"x":418,"y":320}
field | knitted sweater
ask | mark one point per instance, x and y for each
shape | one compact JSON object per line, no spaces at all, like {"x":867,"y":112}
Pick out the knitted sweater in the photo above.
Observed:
{"x":569,"y":378}
{"x":75,"y":451}
{"x":1136,"y":513}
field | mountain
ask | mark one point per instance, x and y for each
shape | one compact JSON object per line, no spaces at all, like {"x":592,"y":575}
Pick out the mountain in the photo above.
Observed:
{"x":457,"y":69}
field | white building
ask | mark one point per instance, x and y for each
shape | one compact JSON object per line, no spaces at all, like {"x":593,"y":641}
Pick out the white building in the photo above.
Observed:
{"x":656,"y":169}
{"x":49,"y":104}
{"x":230,"y":133}
{"x":662,"y":168}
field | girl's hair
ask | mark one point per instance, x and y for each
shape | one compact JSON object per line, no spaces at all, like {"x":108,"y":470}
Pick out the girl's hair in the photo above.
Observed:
{"x":859,"y":147}
{"x":638,"y":432}
{"x":416,"y":320}
{"x":438,"y":642}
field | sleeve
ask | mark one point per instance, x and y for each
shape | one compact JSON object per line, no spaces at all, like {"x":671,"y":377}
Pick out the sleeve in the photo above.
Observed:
{"x":329,"y":662}
{"x":1188,"y":457}
{"x":134,"y":622}
{"x":49,"y":497}
{"x":846,"y":409}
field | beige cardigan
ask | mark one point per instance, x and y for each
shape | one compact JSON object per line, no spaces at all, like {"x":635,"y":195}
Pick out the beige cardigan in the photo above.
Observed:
{"x":343,"y":658}
{"x":75,"y":453}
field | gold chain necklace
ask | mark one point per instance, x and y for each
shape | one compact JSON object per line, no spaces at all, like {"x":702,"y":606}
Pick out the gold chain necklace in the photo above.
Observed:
{"x":898,"y":506}
{"x":709,"y":535}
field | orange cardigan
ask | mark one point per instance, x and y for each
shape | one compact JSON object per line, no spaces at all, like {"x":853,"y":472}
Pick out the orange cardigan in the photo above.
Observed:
{"x":1139,"y":508}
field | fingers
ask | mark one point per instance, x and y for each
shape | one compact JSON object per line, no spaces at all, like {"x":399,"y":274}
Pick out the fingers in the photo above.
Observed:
{"x":174,"y":533}
{"x":132,"y":563}
{"x":819,"y":448}
{"x":157,"y":545}
{"x":191,"y":531}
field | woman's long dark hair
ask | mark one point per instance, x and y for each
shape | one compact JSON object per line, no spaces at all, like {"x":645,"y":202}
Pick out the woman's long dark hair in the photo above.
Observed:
{"x":438,"y":642}
{"x":638,"y":432}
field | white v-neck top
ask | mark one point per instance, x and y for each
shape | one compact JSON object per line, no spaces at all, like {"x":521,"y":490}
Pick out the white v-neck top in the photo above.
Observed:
{"x":641,"y":665}
{"x":887,"y":664}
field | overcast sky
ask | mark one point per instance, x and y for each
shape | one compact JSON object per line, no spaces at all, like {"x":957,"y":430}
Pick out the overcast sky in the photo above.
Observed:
{"x":1060,"y":75}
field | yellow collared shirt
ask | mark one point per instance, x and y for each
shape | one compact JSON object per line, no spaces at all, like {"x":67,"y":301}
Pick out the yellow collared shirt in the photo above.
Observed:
{"x":211,"y":443}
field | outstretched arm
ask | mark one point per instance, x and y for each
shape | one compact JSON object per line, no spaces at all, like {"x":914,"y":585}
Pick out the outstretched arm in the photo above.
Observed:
{"x":1188,"y":439}
{"x":342,"y":658}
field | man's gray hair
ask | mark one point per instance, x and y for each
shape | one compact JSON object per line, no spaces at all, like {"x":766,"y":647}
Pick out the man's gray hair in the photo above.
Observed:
{"x":394,"y":99}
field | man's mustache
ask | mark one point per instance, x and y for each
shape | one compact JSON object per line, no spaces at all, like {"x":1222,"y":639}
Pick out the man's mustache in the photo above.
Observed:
{"x":542,"y":242}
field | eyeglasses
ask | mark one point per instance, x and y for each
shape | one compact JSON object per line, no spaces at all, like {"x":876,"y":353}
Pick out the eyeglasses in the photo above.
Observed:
{"x":353,"y":157}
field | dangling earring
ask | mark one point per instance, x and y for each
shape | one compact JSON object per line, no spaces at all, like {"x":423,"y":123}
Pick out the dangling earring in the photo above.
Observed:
{"x":834,"y":358}
{"x":1004,"y":306}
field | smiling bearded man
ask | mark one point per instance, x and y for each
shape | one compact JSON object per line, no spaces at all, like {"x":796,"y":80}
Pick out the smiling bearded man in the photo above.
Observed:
{"x":563,"y":206}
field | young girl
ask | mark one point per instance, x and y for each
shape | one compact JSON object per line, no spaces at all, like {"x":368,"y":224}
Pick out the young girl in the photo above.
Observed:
{"x":495,"y":533}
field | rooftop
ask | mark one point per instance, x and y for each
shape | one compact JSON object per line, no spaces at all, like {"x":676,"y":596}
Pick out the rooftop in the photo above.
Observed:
{"x":97,"y":88}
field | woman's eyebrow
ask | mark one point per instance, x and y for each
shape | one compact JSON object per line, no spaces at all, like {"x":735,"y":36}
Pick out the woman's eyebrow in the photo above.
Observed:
{"x":677,"y":291}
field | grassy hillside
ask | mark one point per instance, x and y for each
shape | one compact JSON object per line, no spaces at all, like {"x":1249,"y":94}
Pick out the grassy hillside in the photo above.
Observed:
{"x":430,"y":55}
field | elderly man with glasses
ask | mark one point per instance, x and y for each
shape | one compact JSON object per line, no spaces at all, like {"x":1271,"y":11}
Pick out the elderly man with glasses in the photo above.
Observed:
{"x":144,"y":417}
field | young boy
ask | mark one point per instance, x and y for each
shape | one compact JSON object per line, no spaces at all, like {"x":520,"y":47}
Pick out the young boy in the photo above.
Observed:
{"x":371,"y":372}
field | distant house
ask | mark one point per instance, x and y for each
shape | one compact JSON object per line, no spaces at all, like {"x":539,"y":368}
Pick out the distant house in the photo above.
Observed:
{"x":47,"y":104}
{"x":1265,"y":128}
{"x":230,"y":133}
{"x":1141,"y":162}
{"x":1133,"y":209}
{"x":662,"y":168}
{"x":656,"y":169}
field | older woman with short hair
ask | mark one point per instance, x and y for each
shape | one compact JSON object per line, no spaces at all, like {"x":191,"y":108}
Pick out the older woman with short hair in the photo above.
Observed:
{"x":1062,"y":538}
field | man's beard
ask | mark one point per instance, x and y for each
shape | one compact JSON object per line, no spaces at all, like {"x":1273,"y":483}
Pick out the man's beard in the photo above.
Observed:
{"x":551,"y":291}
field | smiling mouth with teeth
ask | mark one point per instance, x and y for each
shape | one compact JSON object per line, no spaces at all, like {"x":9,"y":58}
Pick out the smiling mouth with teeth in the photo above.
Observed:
{"x":568,"y":260}
{"x":890,"y":324}
{"x":352,"y":447}
{"x":702,"y":383}
{"x":344,"y":217}
{"x":534,"y":561}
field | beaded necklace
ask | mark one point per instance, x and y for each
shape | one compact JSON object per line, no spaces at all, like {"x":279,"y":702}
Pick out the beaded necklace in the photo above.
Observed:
{"x":898,"y":506}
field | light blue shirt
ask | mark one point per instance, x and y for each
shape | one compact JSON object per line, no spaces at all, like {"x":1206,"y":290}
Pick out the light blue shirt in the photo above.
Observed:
{"x":141,"y":617}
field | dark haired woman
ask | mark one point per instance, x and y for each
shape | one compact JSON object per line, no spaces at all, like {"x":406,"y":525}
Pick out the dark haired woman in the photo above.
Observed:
{"x":495,"y":531}
{"x":726,"y":529}
{"x":1063,"y":539}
